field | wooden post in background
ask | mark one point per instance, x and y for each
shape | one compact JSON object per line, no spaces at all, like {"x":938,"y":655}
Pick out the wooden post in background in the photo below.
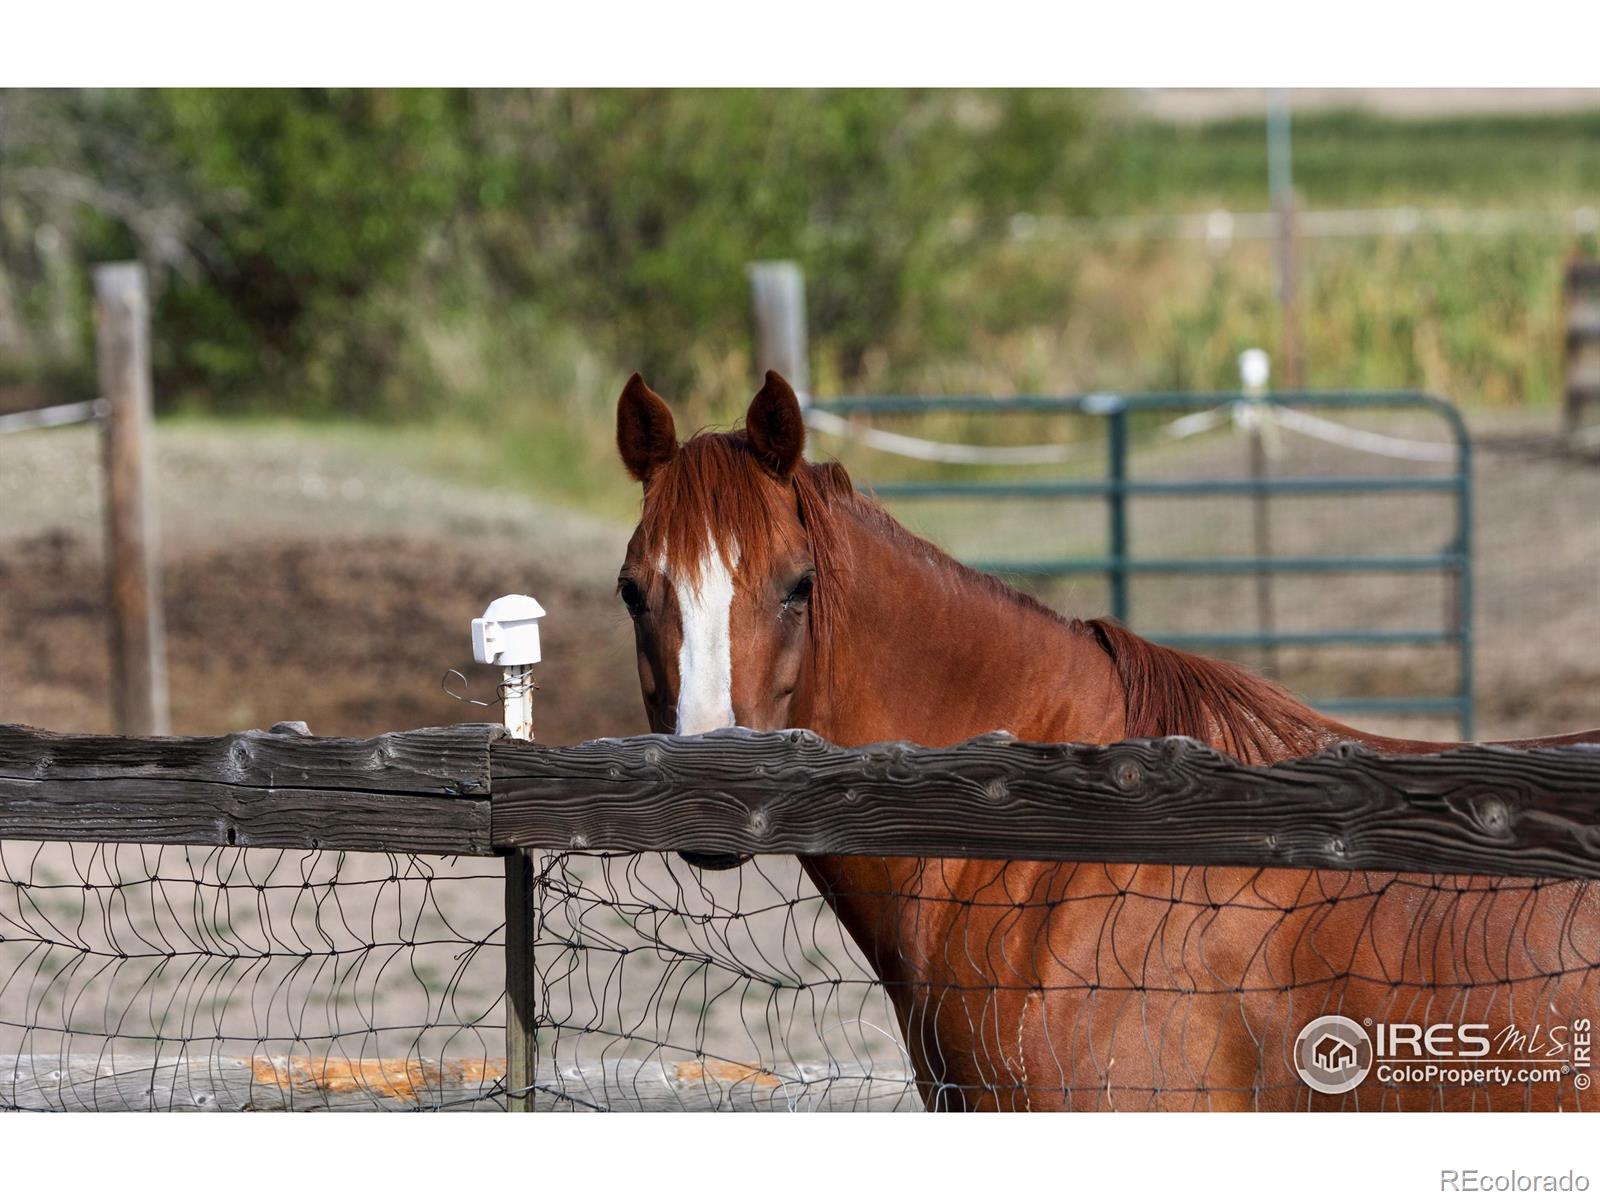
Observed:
{"x":1581,"y":296}
{"x":138,"y":634}
{"x":778,"y":299}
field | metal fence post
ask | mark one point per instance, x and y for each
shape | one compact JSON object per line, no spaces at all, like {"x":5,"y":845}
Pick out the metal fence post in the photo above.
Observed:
{"x":1117,"y":532}
{"x":522,"y":1046}
{"x":1464,"y":630}
{"x":1255,"y":369}
{"x":138,"y":633}
{"x":1280,"y":172}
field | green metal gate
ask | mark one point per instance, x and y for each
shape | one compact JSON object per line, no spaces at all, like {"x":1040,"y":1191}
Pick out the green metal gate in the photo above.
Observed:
{"x":1120,"y":564}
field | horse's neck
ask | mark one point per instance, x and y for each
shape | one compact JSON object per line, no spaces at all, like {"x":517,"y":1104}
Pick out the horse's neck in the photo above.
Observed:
{"x":924,"y":651}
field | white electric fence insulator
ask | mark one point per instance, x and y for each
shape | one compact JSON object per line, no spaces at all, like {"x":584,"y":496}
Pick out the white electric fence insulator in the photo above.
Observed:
{"x":507,"y":636}
{"x":1255,"y":368}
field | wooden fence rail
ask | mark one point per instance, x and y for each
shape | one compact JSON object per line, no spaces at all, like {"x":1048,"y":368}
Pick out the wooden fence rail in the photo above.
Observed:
{"x":468,"y":789}
{"x":423,"y":792}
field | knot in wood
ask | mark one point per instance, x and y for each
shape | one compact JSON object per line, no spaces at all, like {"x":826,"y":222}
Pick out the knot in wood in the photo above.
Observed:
{"x":1494,"y":814}
{"x":652,"y":756}
{"x":1176,"y":748}
{"x":1127,"y":775}
{"x":996,"y":790}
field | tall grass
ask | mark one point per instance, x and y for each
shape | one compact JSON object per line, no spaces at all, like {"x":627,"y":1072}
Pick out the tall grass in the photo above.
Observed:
{"x":1470,"y":316}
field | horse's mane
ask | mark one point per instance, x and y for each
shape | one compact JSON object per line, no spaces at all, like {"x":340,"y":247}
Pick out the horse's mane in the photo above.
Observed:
{"x":1171,"y":693}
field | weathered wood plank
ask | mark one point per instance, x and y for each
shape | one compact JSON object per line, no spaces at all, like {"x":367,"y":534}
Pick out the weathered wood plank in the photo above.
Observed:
{"x":262,"y":1083}
{"x":449,"y":760}
{"x":1478,"y":809}
{"x":426,"y":791}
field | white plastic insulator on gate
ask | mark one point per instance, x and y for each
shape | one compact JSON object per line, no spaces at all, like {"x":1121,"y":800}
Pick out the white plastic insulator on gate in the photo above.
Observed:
{"x":507,"y":635}
{"x":1255,"y":368}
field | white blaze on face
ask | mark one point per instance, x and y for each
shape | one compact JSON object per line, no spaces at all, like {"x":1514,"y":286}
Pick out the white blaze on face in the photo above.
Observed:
{"x":705,"y":659}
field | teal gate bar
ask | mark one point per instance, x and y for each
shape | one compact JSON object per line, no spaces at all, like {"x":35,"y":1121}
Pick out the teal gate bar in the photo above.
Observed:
{"x":1120,"y":565}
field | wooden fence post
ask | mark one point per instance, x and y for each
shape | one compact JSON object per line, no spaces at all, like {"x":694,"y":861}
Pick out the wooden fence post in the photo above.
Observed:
{"x":1581,"y":295}
{"x":778,"y":299}
{"x":138,"y":635}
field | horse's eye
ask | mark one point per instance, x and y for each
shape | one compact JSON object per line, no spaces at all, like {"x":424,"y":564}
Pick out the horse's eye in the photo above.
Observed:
{"x":800,"y":593}
{"x":631,"y":596}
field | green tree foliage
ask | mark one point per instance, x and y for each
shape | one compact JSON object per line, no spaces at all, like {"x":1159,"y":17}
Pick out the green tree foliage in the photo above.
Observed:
{"x":318,"y":225}
{"x":322,"y":203}
{"x":639,"y":209}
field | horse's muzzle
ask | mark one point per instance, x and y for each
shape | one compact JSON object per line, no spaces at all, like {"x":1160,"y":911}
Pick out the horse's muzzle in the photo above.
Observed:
{"x":714,"y":862}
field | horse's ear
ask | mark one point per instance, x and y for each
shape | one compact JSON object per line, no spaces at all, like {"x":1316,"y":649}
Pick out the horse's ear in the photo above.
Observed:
{"x":646,"y":438}
{"x":775,"y":426}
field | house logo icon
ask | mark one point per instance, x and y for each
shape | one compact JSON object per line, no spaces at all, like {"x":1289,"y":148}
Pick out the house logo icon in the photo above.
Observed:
{"x":1333,"y":1055}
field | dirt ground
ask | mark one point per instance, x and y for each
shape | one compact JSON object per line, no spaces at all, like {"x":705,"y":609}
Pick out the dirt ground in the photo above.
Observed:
{"x":300,"y":586}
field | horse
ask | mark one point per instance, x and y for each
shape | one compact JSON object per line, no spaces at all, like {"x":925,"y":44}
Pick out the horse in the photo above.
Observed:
{"x":766,"y":591}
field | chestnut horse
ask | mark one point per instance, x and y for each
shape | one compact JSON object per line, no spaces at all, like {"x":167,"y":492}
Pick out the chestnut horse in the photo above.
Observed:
{"x":766,"y":592}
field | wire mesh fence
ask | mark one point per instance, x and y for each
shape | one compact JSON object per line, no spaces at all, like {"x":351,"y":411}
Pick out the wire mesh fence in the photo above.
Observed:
{"x":661,"y":985}
{"x":1046,"y":986}
{"x":214,"y":977}
{"x":222,"y":978}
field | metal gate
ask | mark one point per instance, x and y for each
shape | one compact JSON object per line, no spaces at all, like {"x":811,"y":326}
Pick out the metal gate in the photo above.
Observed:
{"x":1120,"y":564}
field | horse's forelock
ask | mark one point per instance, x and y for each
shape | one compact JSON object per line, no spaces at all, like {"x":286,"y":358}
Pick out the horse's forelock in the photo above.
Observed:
{"x":715,"y":495}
